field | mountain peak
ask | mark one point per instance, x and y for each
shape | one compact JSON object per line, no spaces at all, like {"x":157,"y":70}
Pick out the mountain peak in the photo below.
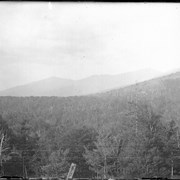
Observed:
{"x":56,"y":86}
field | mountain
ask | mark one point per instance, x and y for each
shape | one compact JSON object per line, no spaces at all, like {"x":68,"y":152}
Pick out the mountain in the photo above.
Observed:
{"x":39,"y":88}
{"x":164,"y":89}
{"x":100,"y":83}
{"x":143,"y":115}
{"x":55,"y":86}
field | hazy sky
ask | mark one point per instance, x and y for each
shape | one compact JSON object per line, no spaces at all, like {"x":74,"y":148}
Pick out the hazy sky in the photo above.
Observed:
{"x":76,"y":40}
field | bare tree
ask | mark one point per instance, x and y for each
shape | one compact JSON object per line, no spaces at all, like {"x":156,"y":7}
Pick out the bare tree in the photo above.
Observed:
{"x":3,"y":148}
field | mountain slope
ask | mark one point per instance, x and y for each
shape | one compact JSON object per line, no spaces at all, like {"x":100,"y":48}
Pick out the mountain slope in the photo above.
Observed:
{"x":64,"y":87}
{"x":38,"y":88}
{"x":165,"y":89}
{"x":95,"y":84}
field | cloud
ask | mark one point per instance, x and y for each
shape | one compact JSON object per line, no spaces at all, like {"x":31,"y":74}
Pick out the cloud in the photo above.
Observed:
{"x":79,"y":39}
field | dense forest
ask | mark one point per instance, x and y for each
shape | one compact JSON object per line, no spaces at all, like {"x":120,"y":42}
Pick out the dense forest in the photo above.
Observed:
{"x":125,"y":133}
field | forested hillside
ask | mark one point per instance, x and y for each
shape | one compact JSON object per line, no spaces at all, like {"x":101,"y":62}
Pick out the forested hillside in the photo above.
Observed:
{"x":128,"y":132}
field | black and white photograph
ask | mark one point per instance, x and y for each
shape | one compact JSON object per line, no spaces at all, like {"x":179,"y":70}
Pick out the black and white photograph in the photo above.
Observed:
{"x":89,"y":91}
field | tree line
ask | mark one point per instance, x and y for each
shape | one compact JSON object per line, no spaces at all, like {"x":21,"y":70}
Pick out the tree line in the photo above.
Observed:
{"x":105,"y":136}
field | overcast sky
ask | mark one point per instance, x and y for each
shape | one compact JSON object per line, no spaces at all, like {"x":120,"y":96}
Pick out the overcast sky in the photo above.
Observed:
{"x":76,"y":40}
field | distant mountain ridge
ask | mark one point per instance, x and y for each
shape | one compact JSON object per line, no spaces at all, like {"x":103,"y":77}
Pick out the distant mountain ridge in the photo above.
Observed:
{"x":56,"y":86}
